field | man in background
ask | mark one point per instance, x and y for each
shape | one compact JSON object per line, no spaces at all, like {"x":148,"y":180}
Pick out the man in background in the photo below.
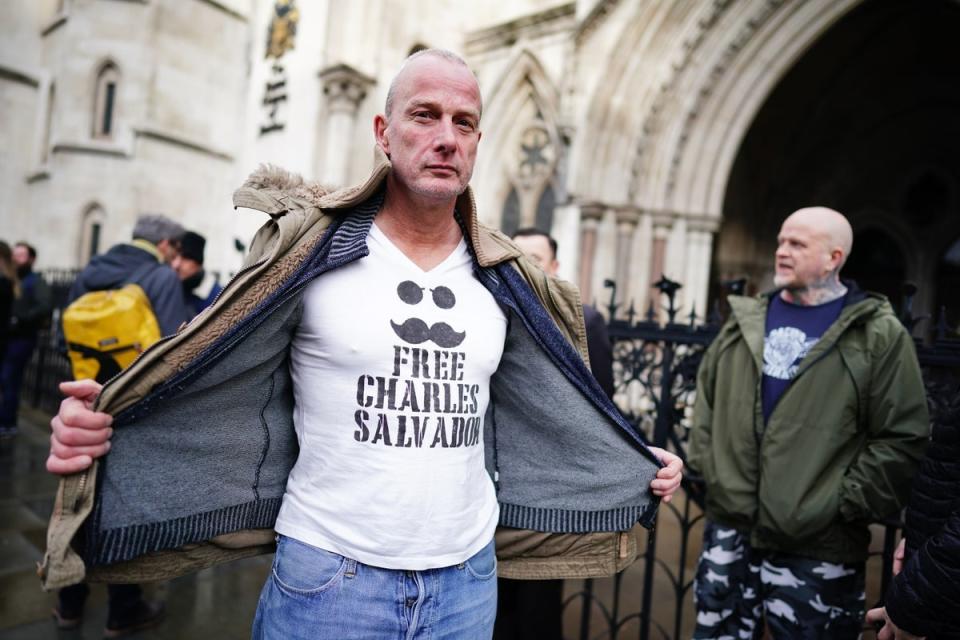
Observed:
{"x":541,"y":247}
{"x":143,"y":261}
{"x":809,"y":422}
{"x":200,"y":287}
{"x":29,"y":314}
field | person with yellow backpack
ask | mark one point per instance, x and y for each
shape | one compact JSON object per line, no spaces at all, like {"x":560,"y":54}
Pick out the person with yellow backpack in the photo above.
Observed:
{"x":123,"y":301}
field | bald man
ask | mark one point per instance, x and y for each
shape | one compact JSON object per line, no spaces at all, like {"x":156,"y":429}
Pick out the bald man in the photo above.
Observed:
{"x":342,"y":389}
{"x":810,"y":421}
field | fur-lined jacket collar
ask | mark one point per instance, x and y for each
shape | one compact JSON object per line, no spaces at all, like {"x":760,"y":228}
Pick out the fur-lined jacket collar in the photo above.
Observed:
{"x":276,"y":191}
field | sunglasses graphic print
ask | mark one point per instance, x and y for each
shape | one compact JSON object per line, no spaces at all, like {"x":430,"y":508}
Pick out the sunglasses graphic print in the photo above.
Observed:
{"x":415,"y":330}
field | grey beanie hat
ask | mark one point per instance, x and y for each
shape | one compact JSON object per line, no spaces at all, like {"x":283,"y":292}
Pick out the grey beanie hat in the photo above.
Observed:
{"x":155,"y":228}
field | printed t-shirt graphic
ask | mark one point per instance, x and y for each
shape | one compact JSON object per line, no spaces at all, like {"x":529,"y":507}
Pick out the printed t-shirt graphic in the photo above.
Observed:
{"x":792,"y":330}
{"x":391,"y":368}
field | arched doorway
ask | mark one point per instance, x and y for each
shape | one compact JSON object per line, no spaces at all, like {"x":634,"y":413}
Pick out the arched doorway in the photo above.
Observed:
{"x":865,"y":122}
{"x":878,"y":264}
{"x":948,"y":286}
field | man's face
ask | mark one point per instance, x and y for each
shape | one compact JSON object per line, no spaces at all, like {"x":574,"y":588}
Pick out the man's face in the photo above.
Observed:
{"x":167,"y":251}
{"x":432,"y":133}
{"x":538,"y":249}
{"x":803,"y":255}
{"x":21,"y":256}
{"x":185,"y":267}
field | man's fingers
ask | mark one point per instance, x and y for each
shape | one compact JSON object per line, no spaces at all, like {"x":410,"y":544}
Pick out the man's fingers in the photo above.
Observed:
{"x":673,"y":463}
{"x":63,"y":467}
{"x":79,"y":436}
{"x":86,"y":390}
{"x":898,"y":556}
{"x":62,"y":451}
{"x":663,"y":488}
{"x":875,"y":615}
{"x":74,"y":413}
{"x":672,"y":470}
{"x":668,"y":477}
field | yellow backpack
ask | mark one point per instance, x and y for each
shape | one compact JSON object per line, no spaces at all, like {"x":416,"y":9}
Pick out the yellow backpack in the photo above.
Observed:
{"x":106,"y":330}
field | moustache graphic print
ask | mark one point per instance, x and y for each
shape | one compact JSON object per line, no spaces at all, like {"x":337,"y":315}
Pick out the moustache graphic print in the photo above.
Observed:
{"x":415,"y":331}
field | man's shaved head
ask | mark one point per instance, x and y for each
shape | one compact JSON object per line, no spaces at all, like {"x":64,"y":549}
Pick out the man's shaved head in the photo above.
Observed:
{"x":832,"y":226}
{"x":812,"y":246}
{"x":443,"y":54}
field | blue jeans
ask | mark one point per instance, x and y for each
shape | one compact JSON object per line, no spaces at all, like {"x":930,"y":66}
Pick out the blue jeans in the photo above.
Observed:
{"x":313,"y":593}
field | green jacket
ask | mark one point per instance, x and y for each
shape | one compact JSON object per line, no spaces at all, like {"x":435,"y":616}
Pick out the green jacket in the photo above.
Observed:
{"x":840,"y":447}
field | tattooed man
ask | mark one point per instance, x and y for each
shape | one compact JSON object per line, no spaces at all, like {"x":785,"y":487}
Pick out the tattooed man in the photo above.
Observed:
{"x":810,"y":420}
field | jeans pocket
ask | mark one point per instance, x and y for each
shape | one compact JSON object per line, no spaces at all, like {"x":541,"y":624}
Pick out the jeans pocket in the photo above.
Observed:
{"x":302,"y":569}
{"x":483,"y":564}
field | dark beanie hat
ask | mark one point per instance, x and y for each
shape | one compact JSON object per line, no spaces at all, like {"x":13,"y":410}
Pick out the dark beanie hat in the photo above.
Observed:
{"x":191,"y":246}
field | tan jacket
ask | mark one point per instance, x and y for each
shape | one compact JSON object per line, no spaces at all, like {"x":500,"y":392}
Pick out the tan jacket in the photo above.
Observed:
{"x":300,"y":213}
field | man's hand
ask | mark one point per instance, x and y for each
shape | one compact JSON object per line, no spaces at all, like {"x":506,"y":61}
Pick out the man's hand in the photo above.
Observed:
{"x":898,"y":556}
{"x":668,"y":478}
{"x":79,"y":434}
{"x":889,"y":631}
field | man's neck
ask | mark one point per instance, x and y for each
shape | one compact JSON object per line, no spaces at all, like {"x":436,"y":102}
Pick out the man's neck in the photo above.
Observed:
{"x":827,"y":290}
{"x":424,"y":230}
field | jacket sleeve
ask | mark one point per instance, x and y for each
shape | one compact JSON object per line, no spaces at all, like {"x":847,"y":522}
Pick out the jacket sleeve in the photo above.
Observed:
{"x":40,"y":303}
{"x":701,"y":433}
{"x":877,"y":483}
{"x":929,"y":583}
{"x":169,"y":303}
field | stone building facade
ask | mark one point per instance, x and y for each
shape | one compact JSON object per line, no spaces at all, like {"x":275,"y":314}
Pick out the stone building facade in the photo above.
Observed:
{"x":650,"y":137}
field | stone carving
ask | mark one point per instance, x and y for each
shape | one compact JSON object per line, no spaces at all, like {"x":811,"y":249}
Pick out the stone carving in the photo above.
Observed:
{"x":747,"y":31}
{"x":652,"y":122}
{"x":282,"y":31}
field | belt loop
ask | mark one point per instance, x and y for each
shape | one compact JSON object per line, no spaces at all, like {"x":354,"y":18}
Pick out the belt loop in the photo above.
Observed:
{"x":351,"y":570}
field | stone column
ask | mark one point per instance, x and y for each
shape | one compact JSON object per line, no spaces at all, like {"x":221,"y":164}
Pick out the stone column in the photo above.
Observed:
{"x":590,"y":216}
{"x":662,"y":224}
{"x":344,"y":89}
{"x":700,"y":232}
{"x":627,"y":220}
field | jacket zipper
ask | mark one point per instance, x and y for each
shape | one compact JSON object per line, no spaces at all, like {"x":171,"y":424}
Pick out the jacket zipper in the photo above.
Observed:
{"x":81,"y":485}
{"x":759,"y":435}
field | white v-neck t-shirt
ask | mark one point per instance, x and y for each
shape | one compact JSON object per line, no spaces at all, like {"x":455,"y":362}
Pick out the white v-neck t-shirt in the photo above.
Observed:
{"x":391,"y":371}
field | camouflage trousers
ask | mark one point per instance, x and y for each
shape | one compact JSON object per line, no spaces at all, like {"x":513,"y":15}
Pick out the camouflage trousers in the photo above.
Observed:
{"x":737,"y":589}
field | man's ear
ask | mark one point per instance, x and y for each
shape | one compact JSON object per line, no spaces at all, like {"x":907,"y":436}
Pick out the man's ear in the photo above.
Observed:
{"x":380,"y":133}
{"x":837,"y":258}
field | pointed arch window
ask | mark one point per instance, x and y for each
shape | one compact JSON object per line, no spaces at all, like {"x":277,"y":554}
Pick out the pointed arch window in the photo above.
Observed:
{"x":91,"y":234}
{"x":548,"y":200}
{"x":510,"y":218}
{"x":105,"y":105}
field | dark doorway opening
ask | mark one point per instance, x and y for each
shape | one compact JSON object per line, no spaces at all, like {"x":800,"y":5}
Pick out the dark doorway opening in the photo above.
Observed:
{"x":866,"y":122}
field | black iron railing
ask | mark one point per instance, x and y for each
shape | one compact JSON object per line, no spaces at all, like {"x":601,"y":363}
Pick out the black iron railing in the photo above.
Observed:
{"x":49,"y":365}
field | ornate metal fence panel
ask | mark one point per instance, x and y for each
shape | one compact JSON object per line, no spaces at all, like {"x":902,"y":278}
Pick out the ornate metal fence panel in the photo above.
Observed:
{"x":49,"y":365}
